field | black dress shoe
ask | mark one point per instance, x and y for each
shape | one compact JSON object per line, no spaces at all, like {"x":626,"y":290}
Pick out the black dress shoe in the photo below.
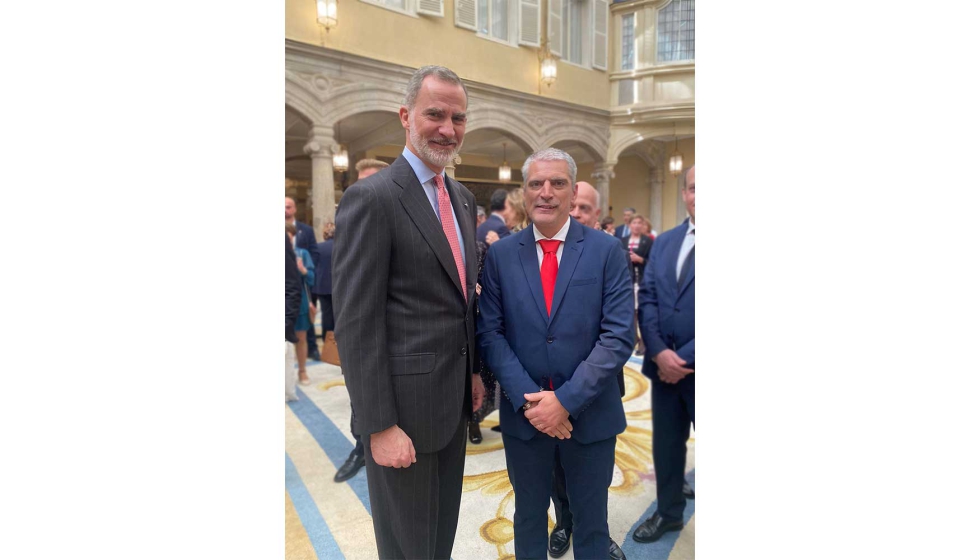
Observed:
{"x":350,"y":467}
{"x":615,"y":553}
{"x":495,"y":428}
{"x":558,"y":542}
{"x":654,"y":528}
{"x":475,"y":435}
{"x":688,"y":491}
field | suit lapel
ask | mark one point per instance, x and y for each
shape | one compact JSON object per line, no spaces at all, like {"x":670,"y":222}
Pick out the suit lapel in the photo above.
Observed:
{"x":529,"y":260}
{"x":468,"y":230}
{"x":672,"y":253}
{"x":419,"y":209}
{"x":690,"y":277}
{"x":569,"y":260}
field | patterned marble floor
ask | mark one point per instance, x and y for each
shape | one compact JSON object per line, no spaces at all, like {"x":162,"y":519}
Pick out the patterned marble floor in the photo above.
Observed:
{"x":327,"y":520}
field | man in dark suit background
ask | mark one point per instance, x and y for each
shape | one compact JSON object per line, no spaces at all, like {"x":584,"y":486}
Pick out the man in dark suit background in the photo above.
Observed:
{"x":624,"y":229}
{"x":586,"y":208}
{"x":667,"y":323}
{"x":495,"y":221}
{"x":404,"y":280}
{"x":556,"y":311}
{"x":305,"y":239}
{"x":322,"y":288}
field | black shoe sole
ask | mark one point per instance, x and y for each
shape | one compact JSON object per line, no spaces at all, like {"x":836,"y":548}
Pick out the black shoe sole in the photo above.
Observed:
{"x":658,"y":537}
{"x":560,"y":554}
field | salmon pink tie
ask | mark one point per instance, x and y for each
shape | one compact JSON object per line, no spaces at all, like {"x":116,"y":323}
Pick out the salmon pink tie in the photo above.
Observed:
{"x":549,"y":269}
{"x":446,"y":215}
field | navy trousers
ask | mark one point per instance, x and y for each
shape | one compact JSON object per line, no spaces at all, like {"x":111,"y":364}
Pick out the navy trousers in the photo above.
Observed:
{"x":588,"y":474}
{"x":673,"y":415}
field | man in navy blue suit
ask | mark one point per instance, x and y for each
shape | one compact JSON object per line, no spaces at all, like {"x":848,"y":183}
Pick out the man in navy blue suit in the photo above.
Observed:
{"x":667,"y":326}
{"x":305,"y":239}
{"x":555,"y":321}
{"x":495,"y":221}
{"x":623,"y":231}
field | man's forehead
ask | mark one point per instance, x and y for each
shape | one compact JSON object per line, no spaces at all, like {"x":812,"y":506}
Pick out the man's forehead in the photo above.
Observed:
{"x":550,"y":167}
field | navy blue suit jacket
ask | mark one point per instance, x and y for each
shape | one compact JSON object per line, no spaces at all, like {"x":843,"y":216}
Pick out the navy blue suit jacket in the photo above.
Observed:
{"x":622,"y":230}
{"x":666,"y":309}
{"x":581,"y":347}
{"x":306,"y":240}
{"x":321,"y":286}
{"x":493,"y":223}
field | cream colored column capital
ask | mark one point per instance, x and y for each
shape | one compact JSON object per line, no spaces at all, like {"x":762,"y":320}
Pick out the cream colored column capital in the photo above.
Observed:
{"x":604,"y":172}
{"x":321,"y":142}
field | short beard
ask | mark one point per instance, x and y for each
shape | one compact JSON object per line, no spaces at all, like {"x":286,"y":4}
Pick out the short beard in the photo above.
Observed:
{"x":439,"y":159}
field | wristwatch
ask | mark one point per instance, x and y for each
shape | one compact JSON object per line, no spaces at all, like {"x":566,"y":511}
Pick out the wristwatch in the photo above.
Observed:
{"x":526,"y":406}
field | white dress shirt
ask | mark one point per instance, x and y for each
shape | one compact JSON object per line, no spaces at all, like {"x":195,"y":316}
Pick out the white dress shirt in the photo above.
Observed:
{"x":560,"y":236}
{"x":686,"y":247}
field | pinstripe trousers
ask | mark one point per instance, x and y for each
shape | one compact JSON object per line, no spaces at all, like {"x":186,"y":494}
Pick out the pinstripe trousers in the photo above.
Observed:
{"x":405,"y":502}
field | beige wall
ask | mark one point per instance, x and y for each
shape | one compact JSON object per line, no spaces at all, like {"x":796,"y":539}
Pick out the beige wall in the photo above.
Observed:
{"x":630,"y":188}
{"x":671,"y":190}
{"x":382,"y":34}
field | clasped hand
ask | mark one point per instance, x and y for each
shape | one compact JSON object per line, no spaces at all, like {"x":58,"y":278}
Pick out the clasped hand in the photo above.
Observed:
{"x":547,"y":414}
{"x":670,"y":366}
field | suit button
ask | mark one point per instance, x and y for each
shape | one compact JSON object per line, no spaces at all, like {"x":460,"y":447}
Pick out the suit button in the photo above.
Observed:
{"x":462,"y":351}
{"x":550,"y":339}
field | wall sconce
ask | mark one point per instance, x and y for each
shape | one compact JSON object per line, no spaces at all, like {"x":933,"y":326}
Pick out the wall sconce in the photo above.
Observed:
{"x":326,"y":13}
{"x":503,"y":172}
{"x":549,"y":68}
{"x":340,"y":161}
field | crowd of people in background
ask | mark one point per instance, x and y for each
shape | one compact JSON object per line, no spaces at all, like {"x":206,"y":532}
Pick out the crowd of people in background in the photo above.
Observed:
{"x":451,"y":258}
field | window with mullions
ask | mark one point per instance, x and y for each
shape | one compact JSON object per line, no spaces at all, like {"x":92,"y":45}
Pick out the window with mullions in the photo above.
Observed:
{"x":675,"y":31}
{"x":629,"y":54}
{"x":492,"y":18}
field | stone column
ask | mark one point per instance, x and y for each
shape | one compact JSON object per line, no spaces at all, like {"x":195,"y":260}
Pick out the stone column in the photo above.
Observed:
{"x":321,"y":148}
{"x":451,"y":168}
{"x":601,"y":176}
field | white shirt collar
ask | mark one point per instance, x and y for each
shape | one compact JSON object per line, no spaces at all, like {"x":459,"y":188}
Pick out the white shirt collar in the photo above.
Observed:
{"x":560,"y":236}
{"x":690,"y":226}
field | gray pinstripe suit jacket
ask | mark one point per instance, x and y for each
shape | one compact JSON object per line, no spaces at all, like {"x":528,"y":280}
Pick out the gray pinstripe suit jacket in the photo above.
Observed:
{"x":404,"y":331}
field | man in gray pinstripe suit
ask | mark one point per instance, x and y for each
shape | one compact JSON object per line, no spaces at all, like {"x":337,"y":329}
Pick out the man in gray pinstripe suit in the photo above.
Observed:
{"x":403,"y":285}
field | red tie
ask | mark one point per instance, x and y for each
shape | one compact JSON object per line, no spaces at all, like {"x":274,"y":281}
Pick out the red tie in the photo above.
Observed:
{"x":446,"y":215}
{"x":549,"y":269}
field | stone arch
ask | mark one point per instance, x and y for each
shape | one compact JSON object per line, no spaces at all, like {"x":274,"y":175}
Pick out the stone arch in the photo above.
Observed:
{"x":623,"y":138}
{"x":302,"y":99}
{"x":352,"y":99}
{"x":591,"y":138}
{"x":508,"y":122}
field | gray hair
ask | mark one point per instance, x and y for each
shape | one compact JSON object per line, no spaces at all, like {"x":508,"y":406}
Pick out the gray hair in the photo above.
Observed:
{"x":550,"y":154}
{"x":441,"y":72}
{"x":480,"y":211}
